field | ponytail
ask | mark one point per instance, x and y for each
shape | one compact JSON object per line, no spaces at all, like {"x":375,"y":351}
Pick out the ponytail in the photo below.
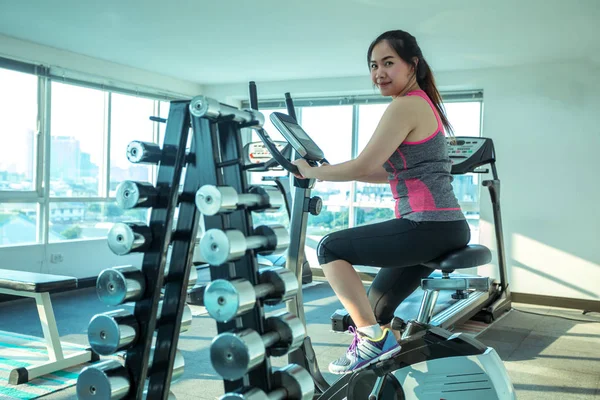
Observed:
{"x":426,"y":81}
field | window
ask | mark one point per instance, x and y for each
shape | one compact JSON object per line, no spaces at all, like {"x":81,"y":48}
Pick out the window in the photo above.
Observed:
{"x":18,"y":223}
{"x":87,"y":220}
{"x":77,"y":145}
{"x":83,"y":169}
{"x":268,"y":126}
{"x":331,"y":129}
{"x":374,"y":201}
{"x":130,"y":120}
{"x":465,"y":118}
{"x":18,"y":128}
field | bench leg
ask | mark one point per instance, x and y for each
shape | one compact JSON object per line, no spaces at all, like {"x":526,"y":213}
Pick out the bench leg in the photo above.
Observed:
{"x":57,"y":360}
{"x":25,"y":374}
{"x":44,"y":306}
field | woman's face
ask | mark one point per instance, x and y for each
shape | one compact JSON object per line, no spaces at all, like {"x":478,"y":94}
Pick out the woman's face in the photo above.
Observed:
{"x":388,"y":71}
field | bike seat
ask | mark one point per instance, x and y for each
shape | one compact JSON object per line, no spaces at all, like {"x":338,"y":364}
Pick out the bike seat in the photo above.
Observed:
{"x":470,"y":256}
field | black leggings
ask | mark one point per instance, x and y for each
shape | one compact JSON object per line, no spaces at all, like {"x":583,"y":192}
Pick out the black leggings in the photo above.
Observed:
{"x":400,"y":247}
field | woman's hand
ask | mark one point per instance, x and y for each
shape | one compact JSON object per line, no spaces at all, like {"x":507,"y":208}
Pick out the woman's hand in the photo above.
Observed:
{"x":303,"y":169}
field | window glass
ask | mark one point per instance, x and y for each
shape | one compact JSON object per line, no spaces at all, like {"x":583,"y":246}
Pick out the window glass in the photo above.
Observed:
{"x":130,"y":120}
{"x":77,"y":145}
{"x":372,"y":195}
{"x":268,"y":126}
{"x":330,"y":127}
{"x":88,"y":220}
{"x":18,"y":127}
{"x":465,"y":118}
{"x":18,"y":223}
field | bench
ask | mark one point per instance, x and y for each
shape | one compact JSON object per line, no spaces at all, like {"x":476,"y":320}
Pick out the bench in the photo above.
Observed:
{"x":39,"y":287}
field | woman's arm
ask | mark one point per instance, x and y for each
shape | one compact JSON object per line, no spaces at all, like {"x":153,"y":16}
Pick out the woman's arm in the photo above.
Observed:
{"x":379,"y":176}
{"x":398,"y":120}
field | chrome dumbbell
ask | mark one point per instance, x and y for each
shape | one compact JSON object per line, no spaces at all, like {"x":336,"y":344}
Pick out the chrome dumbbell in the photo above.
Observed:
{"x":109,"y":380}
{"x":291,"y":382}
{"x":126,"y":283}
{"x":143,"y":152}
{"x":234,"y":354}
{"x":129,"y":237}
{"x":218,"y":247}
{"x":119,"y":285}
{"x":225,"y":300}
{"x":104,"y":380}
{"x":213,"y":200}
{"x":118,"y":329}
{"x":131,"y":194}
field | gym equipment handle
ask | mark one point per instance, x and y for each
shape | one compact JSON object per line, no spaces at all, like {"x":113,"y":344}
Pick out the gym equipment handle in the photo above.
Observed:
{"x":253,"y":96}
{"x":280,"y":158}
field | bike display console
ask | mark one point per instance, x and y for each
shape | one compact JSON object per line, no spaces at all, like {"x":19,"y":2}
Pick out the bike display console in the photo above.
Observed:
{"x":468,"y":153}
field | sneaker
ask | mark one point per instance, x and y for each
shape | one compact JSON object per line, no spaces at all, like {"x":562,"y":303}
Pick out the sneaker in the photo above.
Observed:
{"x":365,"y":351}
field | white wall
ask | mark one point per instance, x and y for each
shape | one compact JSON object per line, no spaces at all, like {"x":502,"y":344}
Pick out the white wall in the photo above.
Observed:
{"x":80,"y":258}
{"x":234,"y":93}
{"x":88,"y":257}
{"x":543,"y":120}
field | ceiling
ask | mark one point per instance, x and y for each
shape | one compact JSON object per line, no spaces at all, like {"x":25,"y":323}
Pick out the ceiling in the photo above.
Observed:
{"x":227,"y":41}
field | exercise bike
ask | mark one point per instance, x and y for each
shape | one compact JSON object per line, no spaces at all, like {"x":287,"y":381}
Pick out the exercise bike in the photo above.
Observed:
{"x":433,"y":362}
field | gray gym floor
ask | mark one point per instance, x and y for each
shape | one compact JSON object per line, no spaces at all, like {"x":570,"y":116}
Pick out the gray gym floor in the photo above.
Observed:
{"x":548,"y":354}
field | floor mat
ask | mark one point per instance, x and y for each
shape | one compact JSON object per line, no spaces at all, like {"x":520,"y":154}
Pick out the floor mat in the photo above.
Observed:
{"x":18,"y":350}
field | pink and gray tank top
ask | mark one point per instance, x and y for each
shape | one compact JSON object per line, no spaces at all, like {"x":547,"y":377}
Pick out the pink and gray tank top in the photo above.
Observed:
{"x":420,"y":179}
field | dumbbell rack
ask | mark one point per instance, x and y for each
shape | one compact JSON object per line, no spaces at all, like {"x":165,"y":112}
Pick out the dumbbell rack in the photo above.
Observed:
{"x":215,"y":158}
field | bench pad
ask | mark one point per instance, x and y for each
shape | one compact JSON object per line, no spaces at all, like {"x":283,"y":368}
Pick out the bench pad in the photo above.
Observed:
{"x":35,"y":282}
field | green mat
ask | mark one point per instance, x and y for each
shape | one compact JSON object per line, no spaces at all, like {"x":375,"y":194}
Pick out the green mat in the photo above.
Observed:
{"x":20,"y":351}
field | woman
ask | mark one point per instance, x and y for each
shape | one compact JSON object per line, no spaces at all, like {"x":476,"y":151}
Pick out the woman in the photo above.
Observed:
{"x":408,"y":149}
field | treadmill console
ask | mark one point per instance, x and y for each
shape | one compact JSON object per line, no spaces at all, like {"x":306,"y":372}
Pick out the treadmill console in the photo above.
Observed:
{"x":467,"y":153}
{"x":257,"y":152}
{"x":297,"y":137}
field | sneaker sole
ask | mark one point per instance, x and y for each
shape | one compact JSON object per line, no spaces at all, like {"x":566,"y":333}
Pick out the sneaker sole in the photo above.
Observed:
{"x":384,"y":356}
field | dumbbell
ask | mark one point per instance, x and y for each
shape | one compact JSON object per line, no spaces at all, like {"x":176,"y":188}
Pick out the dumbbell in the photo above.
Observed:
{"x":292,"y":383}
{"x":128,"y":237}
{"x":234,"y":354}
{"x":126,"y":283}
{"x":131,"y":194}
{"x":104,"y":380}
{"x":109,"y":380}
{"x":225,"y":300}
{"x":219,"y":247}
{"x":119,"y":285}
{"x":118,"y":329}
{"x":212,"y":200}
{"x":143,"y":152}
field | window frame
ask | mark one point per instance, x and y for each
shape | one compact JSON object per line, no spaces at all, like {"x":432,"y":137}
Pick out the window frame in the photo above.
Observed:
{"x":40,"y":196}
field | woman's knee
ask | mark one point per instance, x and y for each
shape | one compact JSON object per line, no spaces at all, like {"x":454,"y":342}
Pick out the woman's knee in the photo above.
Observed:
{"x":326,"y":249}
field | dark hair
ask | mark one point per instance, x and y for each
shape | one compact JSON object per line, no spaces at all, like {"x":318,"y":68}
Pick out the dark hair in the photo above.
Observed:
{"x":407,"y":48}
